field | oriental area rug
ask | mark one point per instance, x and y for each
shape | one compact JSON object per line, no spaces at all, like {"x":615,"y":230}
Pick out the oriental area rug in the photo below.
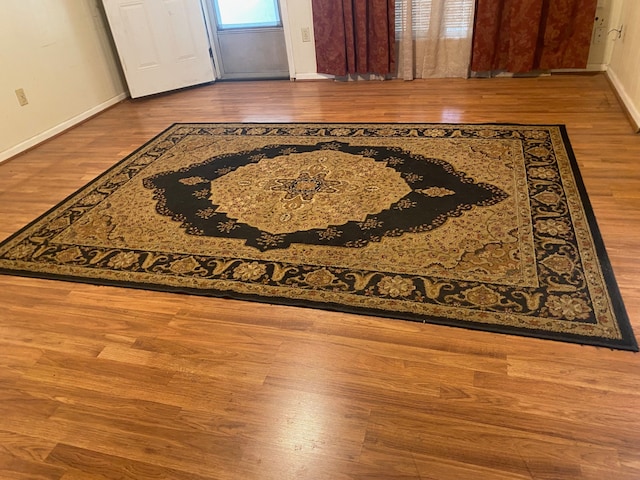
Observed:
{"x":478,"y":226}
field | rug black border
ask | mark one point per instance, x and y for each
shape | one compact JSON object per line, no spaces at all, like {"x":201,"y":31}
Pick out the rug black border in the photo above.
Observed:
{"x":628,"y":342}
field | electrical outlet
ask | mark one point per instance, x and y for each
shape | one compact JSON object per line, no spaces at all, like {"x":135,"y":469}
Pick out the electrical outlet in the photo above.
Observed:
{"x":306,"y":34}
{"x":599,"y":35}
{"x":22,"y":97}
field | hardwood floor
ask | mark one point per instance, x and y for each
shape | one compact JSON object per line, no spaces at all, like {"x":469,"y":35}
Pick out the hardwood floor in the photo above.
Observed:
{"x":111,"y":383}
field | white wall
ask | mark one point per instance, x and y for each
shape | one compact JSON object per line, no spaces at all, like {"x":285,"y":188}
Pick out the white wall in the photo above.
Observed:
{"x":624,"y":69}
{"x":59,"y":52}
{"x":299,"y":16}
{"x":600,"y":53}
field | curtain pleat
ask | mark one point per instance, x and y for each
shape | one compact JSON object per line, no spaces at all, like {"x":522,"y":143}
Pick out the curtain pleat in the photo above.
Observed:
{"x":526,"y":35}
{"x":354,"y":36}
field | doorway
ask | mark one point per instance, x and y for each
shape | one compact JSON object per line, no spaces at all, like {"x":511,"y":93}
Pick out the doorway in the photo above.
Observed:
{"x":248,"y":38}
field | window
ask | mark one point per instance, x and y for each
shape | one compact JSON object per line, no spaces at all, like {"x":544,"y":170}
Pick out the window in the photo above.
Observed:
{"x":458,"y":16}
{"x":247,"y":13}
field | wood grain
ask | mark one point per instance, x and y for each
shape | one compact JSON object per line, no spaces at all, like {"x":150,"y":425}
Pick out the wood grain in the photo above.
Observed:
{"x":111,"y":383}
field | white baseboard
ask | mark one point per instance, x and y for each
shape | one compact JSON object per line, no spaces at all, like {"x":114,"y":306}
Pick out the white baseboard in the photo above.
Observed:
{"x":312,"y":76}
{"x":597,"y":67}
{"x":624,"y":96}
{"x":591,"y":67}
{"x":41,"y":137}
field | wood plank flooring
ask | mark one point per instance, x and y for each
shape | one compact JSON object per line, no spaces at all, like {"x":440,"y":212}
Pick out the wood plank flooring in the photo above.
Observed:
{"x":110,"y":383}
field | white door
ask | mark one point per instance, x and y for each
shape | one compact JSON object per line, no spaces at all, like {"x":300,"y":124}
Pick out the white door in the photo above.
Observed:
{"x":162,"y":44}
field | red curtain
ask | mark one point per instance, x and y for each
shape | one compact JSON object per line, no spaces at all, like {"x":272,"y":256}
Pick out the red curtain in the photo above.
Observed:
{"x":525,"y":35}
{"x":354,"y":36}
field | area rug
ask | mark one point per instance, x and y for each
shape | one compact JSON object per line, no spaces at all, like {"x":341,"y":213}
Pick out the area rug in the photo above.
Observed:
{"x":478,"y":226}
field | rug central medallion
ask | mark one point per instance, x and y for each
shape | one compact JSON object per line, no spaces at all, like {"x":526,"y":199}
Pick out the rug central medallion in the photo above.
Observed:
{"x":330,"y":193}
{"x":297,"y":192}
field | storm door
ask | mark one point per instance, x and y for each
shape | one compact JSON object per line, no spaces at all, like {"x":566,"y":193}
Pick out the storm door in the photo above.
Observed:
{"x":249,"y":39}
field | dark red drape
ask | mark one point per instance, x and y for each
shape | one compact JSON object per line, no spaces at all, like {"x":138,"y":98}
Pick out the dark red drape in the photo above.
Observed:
{"x":525,"y":35}
{"x":354,"y":36}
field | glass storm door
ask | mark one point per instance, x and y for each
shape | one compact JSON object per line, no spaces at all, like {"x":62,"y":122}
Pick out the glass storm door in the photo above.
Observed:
{"x":249,"y":39}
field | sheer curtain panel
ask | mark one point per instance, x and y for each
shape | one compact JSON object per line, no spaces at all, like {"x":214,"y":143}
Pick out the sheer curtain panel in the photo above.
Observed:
{"x":434,"y":38}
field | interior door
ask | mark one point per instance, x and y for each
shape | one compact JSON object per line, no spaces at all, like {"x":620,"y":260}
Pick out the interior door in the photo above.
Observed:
{"x":249,"y":39}
{"x":162,"y":44}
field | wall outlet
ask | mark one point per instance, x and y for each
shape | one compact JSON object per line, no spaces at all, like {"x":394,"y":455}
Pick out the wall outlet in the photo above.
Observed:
{"x":599,"y":35}
{"x":22,"y":97}
{"x":306,"y":34}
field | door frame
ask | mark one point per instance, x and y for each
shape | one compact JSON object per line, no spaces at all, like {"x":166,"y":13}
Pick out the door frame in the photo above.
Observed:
{"x":209,"y":16}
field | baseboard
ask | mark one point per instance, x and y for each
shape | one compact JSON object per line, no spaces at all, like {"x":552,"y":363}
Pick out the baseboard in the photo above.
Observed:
{"x":66,"y":125}
{"x":312,"y":76}
{"x":627,"y":104}
{"x":590,"y":68}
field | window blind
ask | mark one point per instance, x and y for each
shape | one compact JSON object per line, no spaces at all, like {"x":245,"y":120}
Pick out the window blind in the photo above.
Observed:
{"x":458,"y":21}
